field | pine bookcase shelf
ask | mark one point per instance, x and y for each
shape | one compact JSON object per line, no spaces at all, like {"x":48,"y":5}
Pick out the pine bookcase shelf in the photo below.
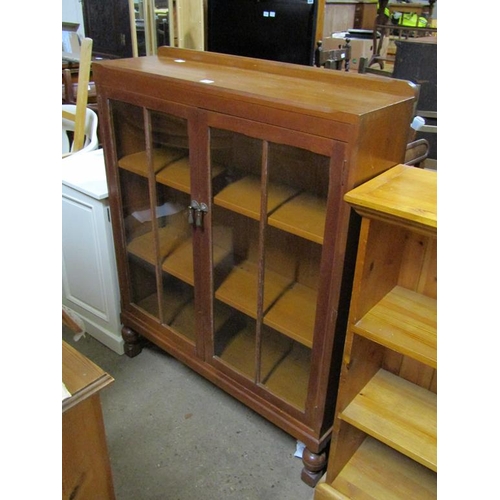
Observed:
{"x":398,"y":413}
{"x":384,"y":440}
{"x":404,"y":321}
{"x":378,"y":471}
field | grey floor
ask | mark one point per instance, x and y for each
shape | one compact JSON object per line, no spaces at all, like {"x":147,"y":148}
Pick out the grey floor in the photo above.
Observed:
{"x":172,"y":435}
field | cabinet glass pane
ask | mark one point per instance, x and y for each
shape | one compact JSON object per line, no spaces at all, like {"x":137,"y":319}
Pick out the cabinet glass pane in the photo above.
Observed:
{"x":293,"y":247}
{"x":130,"y":143}
{"x":153,"y":160}
{"x":236,"y":177}
{"x":267,"y":260}
{"x":172,"y":173}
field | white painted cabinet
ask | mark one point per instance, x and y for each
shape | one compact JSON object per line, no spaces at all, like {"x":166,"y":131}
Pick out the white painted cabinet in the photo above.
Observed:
{"x":89,"y":276}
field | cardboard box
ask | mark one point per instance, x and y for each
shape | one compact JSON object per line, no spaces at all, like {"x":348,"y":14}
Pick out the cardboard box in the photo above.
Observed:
{"x":360,"y":47}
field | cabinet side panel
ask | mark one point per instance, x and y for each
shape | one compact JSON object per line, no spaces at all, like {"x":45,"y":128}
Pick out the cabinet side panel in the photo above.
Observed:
{"x":86,"y":467}
{"x":380,"y":143}
{"x":419,"y":265}
{"x":345,"y":441}
{"x":428,"y":279}
{"x":380,"y":267}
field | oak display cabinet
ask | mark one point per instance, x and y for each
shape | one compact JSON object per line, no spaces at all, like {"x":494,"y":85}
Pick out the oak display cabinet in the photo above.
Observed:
{"x":226,"y":176}
{"x":384,"y":441}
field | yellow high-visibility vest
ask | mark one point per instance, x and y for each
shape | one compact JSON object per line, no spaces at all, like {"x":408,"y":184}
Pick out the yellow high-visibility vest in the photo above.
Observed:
{"x":409,"y":19}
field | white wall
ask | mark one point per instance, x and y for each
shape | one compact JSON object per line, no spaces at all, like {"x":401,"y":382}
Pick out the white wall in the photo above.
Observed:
{"x":72,"y":13}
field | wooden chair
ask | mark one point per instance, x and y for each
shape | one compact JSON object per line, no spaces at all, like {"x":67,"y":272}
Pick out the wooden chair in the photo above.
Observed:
{"x":416,"y":152}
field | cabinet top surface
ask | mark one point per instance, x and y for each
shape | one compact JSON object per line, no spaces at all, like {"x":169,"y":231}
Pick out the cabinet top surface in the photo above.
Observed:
{"x":403,"y":192}
{"x":81,"y":376}
{"x":86,"y":172}
{"x":333,"y":94}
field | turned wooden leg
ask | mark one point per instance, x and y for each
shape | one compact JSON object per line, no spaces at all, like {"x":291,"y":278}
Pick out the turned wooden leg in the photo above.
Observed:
{"x":314,"y":467}
{"x":133,"y":344}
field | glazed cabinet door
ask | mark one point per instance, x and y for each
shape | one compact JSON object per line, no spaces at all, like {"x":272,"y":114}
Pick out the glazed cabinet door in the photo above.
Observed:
{"x":270,"y":189}
{"x":154,"y":183}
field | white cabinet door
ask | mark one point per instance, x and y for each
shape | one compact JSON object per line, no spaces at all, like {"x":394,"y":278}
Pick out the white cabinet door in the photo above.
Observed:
{"x":90,"y":283}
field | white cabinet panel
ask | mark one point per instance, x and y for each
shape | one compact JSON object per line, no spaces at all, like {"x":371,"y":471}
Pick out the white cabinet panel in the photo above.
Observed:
{"x":89,"y":277}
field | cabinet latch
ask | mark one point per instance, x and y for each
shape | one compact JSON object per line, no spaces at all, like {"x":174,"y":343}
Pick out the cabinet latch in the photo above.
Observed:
{"x":196,"y":213}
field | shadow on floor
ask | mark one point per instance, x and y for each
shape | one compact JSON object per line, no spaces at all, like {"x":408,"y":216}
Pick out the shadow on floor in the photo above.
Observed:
{"x":172,"y":435}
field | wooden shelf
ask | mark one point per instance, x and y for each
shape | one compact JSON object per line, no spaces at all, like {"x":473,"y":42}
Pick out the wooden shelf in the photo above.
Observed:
{"x":398,"y":413}
{"x":303,"y":215}
{"x":177,"y":250}
{"x":244,"y":196}
{"x":172,"y":303}
{"x":138,"y":162}
{"x":404,"y":321}
{"x":185,"y":320}
{"x":294,"y":314}
{"x":178,"y":174}
{"x":240,"y":288}
{"x":290,"y":379}
{"x":239,"y":352}
{"x":378,"y":472}
{"x":179,"y":262}
{"x":144,"y":246}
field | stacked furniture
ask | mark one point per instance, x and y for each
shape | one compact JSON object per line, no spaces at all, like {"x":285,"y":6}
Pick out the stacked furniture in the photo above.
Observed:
{"x":385,"y":430}
{"x":385,"y":27}
{"x":234,"y":245}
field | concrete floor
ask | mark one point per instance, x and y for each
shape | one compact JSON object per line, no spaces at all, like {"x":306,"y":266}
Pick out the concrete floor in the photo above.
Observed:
{"x":172,"y":435}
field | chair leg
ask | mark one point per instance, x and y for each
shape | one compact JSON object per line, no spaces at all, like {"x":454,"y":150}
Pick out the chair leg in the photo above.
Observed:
{"x":69,"y":94}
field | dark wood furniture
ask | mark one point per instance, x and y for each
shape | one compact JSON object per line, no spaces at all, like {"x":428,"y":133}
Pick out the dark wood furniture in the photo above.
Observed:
{"x":384,"y":442}
{"x":226,"y":176}
{"x":336,"y":16}
{"x":108,"y":24}
{"x":364,"y":15}
{"x":86,"y":470}
{"x":416,"y":61}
